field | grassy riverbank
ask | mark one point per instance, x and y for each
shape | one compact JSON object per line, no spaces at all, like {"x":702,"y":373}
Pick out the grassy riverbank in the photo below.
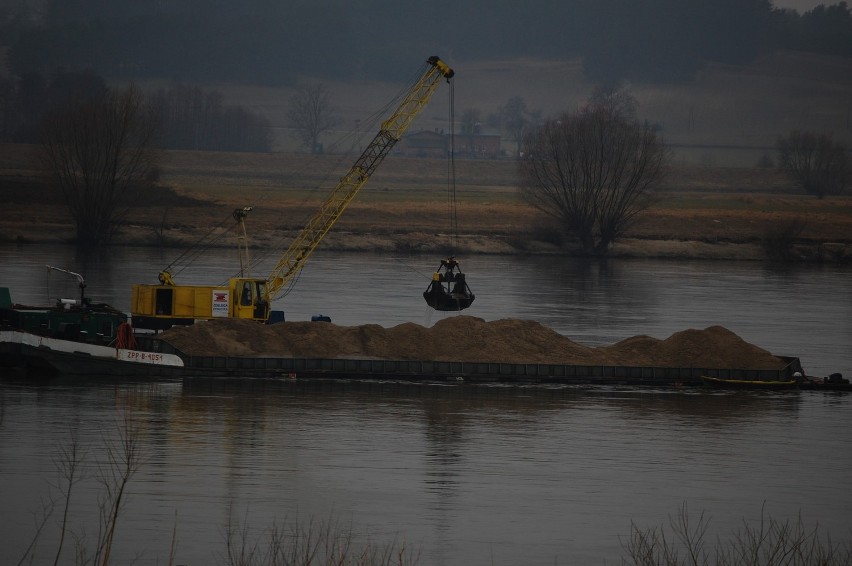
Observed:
{"x":701,"y":212}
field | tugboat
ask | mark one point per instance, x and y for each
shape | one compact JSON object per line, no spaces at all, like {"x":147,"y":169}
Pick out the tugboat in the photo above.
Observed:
{"x":831,"y":382}
{"x":74,"y":336}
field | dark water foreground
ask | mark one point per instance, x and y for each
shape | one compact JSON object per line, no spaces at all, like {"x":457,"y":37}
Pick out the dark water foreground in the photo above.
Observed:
{"x":465,"y":474}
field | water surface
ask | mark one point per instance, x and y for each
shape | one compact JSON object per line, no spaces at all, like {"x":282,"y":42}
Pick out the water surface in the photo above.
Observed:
{"x":465,"y":475}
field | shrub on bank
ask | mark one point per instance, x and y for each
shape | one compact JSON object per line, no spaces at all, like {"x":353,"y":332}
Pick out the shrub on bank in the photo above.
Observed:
{"x":683,"y":542}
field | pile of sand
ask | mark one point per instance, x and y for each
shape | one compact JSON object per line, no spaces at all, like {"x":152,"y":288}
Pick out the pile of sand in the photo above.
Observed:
{"x":464,"y":338}
{"x":713,"y":347}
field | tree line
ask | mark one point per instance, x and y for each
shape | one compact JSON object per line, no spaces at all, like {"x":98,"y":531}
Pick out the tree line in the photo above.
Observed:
{"x":593,"y":171}
{"x":186,"y":116}
{"x":262,"y":42}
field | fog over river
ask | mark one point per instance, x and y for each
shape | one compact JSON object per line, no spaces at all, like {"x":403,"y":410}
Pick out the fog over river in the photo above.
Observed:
{"x":463,"y":475}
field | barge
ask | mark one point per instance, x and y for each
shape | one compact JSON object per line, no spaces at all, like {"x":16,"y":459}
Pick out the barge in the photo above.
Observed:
{"x":74,"y":337}
{"x":297,"y":368}
{"x":37,"y":355}
{"x":154,"y":358}
{"x":81,"y":338}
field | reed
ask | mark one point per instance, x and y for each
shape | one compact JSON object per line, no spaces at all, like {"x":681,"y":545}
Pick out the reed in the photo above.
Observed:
{"x":769,"y":542}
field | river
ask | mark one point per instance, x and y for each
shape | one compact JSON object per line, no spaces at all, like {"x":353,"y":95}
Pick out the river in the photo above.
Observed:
{"x":458,"y":474}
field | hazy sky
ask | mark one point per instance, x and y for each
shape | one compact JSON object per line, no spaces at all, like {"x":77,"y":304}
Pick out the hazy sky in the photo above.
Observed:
{"x":802,"y":5}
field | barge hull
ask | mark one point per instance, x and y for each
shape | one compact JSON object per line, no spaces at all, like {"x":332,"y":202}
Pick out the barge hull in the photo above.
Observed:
{"x":46,"y":361}
{"x":42,"y":356}
{"x":477,"y":372}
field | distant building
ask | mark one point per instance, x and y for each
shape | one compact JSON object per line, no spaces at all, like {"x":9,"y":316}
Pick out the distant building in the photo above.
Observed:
{"x":478,"y":146}
{"x":426,"y":143}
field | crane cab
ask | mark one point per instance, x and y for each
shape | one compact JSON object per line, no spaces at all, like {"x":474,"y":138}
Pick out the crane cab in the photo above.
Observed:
{"x":251,"y":299}
{"x":158,"y":307}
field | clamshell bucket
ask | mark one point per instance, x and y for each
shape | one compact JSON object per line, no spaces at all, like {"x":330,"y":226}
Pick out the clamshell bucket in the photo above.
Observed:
{"x":448,"y":290}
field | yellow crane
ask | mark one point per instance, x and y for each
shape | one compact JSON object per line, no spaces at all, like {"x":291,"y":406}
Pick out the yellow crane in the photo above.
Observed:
{"x":161,"y":306}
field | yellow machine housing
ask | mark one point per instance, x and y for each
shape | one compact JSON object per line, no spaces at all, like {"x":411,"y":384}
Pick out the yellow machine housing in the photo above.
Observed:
{"x":158,"y":307}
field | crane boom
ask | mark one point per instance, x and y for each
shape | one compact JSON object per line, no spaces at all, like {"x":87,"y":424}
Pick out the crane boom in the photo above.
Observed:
{"x":157,"y":307}
{"x":350,"y":184}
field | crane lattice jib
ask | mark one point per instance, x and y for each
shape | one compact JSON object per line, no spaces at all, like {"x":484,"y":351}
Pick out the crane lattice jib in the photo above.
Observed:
{"x":391,"y":131}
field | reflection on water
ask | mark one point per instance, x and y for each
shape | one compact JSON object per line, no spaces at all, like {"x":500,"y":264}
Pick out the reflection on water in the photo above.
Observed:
{"x":468,"y":474}
{"x":465,"y":473}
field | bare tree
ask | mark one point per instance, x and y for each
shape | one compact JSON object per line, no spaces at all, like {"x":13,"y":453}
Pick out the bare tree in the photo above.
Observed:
{"x":311,"y":114}
{"x":304,"y":544}
{"x":767,"y":542}
{"x":124,"y":457}
{"x":514,"y":119}
{"x":592,"y":171}
{"x":98,"y":151}
{"x":69,"y":465}
{"x":817,"y":163}
{"x":8,"y":95}
{"x":616,"y":99}
{"x":191,"y":118}
{"x":470,"y":121}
